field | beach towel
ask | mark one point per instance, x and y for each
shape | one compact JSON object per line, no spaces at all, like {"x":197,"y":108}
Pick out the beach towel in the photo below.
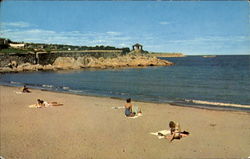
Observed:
{"x":37,"y":106}
{"x":136,"y":116}
{"x":47,"y":105}
{"x":34,"y":106}
{"x":161,"y":134}
{"x":20,"y":93}
{"x":118,"y":107}
{"x":135,"y":109}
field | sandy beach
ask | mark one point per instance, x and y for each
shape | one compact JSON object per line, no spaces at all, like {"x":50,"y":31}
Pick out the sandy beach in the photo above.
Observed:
{"x":87,"y":127}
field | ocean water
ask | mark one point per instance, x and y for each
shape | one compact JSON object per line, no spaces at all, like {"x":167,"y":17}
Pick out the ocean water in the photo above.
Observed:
{"x":221,"y":82}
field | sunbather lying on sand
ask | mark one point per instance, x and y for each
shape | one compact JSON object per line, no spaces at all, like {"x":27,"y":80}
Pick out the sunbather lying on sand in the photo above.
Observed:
{"x":175,"y":132}
{"x":41,"y":103}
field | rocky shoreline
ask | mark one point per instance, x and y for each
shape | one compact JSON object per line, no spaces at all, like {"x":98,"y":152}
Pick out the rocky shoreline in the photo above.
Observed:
{"x":70,"y":63}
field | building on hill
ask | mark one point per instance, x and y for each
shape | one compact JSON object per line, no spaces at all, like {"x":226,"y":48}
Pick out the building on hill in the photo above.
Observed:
{"x":4,"y":43}
{"x":17,"y":45}
{"x":137,"y":47}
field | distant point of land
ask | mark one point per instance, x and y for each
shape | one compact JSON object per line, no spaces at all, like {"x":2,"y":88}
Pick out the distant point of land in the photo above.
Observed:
{"x":165,"y":54}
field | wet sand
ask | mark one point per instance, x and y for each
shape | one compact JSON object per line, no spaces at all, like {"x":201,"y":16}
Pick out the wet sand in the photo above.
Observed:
{"x":87,"y":127}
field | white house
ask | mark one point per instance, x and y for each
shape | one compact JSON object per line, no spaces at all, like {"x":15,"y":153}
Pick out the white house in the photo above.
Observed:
{"x":16,"y":45}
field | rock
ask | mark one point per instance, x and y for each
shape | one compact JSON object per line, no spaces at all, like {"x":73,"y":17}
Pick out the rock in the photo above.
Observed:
{"x":64,"y":62}
{"x":5,"y":69}
{"x":82,"y":61}
{"x":101,"y":59}
{"x":39,"y":67}
{"x":28,"y":67}
{"x":24,"y":65}
{"x":19,"y":69}
{"x":14,"y":63}
{"x":48,"y":67}
{"x":130,"y":60}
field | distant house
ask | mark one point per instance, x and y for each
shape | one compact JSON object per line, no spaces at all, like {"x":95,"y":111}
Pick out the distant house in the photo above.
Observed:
{"x":17,"y":45}
{"x":40,"y":46}
{"x":137,"y":47}
{"x":4,"y":41}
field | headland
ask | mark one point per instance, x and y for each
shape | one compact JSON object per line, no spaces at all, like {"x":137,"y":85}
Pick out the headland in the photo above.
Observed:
{"x":37,"y":57}
{"x":167,"y":54}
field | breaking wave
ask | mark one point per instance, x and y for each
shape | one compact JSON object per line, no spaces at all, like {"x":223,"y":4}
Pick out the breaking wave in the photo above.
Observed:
{"x":47,"y":86}
{"x":75,"y":91}
{"x":217,"y":103}
{"x":13,"y":82}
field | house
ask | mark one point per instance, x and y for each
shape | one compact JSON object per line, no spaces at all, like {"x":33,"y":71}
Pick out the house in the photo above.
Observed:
{"x":137,"y":47}
{"x":17,"y":45}
{"x":4,"y":43}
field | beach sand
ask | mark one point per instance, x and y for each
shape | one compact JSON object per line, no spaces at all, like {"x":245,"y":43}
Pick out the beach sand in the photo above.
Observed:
{"x":87,"y":127}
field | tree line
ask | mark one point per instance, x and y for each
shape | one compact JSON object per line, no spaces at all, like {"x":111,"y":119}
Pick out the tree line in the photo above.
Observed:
{"x":4,"y":44}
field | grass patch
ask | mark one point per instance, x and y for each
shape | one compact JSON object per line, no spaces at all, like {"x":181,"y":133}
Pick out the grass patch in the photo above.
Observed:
{"x":13,"y":50}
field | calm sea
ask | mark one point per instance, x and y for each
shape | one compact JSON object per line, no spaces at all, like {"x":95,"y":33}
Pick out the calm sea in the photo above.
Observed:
{"x":221,"y":82}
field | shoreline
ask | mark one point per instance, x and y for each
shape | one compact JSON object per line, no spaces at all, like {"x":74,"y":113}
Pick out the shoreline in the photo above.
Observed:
{"x":80,"y":69}
{"x":184,"y":105}
{"x":88,"y":127}
{"x":81,"y":62}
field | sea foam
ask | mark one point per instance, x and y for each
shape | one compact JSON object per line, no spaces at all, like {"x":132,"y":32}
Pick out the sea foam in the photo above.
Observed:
{"x":218,"y":103}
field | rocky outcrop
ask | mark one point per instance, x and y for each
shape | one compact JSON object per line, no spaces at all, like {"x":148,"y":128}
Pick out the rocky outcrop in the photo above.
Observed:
{"x":120,"y":61}
{"x":22,"y":68}
{"x":130,"y":60}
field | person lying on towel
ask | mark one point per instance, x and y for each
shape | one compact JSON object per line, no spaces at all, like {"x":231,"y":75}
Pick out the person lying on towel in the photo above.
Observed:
{"x":41,"y":103}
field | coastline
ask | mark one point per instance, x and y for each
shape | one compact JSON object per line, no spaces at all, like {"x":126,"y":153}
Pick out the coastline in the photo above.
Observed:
{"x":88,"y":127}
{"x":186,"y":103}
{"x":134,"y":60}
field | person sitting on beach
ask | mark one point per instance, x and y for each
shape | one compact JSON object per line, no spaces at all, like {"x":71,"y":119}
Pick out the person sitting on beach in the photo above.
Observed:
{"x":128,"y":108}
{"x":41,"y":103}
{"x":175,"y":131}
{"x":25,"y":89}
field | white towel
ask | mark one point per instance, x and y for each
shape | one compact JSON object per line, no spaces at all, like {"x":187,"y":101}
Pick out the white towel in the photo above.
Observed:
{"x":117,"y":107}
{"x":135,"y":109}
{"x":34,"y":106}
{"x":163,"y":132}
{"x":136,"y":116}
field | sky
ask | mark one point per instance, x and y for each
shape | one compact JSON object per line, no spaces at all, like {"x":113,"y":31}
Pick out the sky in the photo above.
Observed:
{"x":190,"y":27}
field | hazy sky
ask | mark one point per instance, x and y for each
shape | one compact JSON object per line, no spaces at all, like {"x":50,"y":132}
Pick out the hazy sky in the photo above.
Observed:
{"x":206,"y":27}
